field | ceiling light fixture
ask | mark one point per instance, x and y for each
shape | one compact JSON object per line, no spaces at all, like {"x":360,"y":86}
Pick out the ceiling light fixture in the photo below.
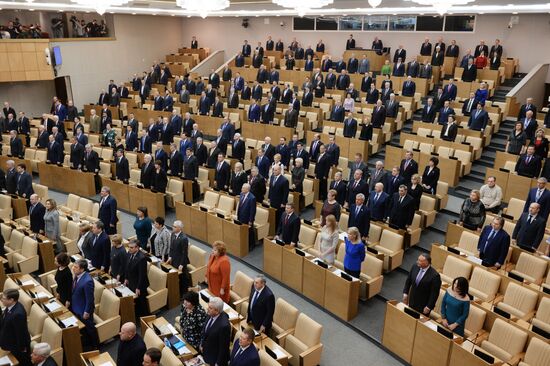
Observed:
{"x":302,"y":6}
{"x":100,"y":6}
{"x":375,"y":3}
{"x":442,"y":6}
{"x":203,"y":7}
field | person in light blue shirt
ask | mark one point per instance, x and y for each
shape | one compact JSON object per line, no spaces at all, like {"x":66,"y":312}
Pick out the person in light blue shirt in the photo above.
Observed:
{"x":455,"y":306}
{"x":355,"y":252}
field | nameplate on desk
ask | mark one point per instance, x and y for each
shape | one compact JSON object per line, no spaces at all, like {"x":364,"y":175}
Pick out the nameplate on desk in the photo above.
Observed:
{"x":270,"y":352}
{"x":320,"y":263}
{"x":300,"y":252}
{"x":502,"y":313}
{"x":484,"y":356}
{"x":453,"y":250}
{"x":411,"y":312}
{"x":52,"y":306}
{"x":204,"y":296}
{"x":515,"y":276}
{"x":444,"y":332}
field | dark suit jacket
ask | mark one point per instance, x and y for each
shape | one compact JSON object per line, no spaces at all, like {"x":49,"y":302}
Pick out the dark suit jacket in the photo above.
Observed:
{"x":361,"y":221}
{"x":496,"y":250}
{"x":36,"y":215}
{"x":412,"y":168}
{"x":100,"y":253}
{"x":179,"y":250}
{"x":42,"y":141}
{"x":531,"y":169}
{"x":249,"y":357}
{"x":378,"y":209}
{"x":424,"y":294}
{"x":201,"y":153}
{"x":480,"y":122}
{"x":222,"y":176}
{"x":278,"y":191}
{"x":91,"y":162}
{"x":215,"y":341}
{"x":529,"y":235}
{"x":82,"y":300}
{"x":246,"y":211}
{"x":55,"y":152}
{"x":362,"y":187}
{"x":289,"y":230}
{"x":261,"y":313}
{"x":428,"y":116}
{"x":136,"y":273}
{"x":24,"y":184}
{"x":122,"y":169}
{"x":401,"y":214}
{"x":11,"y":181}
{"x":431,"y":178}
{"x":14,"y":333}
{"x":543,"y":201}
{"x":77,"y":154}
{"x":146,"y":177}
{"x":175,"y":164}
{"x":107,"y":212}
{"x":378,"y":117}
{"x":469,"y":73}
{"x":341,"y":191}
{"x":322,"y":166}
{"x":131,"y":352}
{"x":453,"y":130}
{"x":16,"y":147}
{"x":191,"y":167}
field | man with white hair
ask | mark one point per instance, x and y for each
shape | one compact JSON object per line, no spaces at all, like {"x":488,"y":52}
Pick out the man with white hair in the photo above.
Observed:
{"x":378,"y":175}
{"x":216,"y":334}
{"x":246,"y":212}
{"x":131,"y":347}
{"x":11,"y":177}
{"x":178,"y":255}
{"x":41,"y":355}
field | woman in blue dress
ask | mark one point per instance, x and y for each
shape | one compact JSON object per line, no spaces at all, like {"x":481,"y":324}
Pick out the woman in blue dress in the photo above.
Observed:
{"x":455,"y":306}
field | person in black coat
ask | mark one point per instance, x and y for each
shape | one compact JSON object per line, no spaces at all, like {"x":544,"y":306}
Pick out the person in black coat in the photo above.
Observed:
{"x":63,"y":278}
{"x":161,"y":155}
{"x":430,"y":177}
{"x":288,"y":229}
{"x":356,"y":186}
{"x":449,"y":129}
{"x":222,"y":174}
{"x":201,"y":152}
{"x":350,"y":126}
{"x":428,"y":112}
{"x":178,"y":255}
{"x":122,"y":167}
{"x":378,"y":117}
{"x":238,"y":178}
{"x":175,"y":161}
{"x":262,"y":305}
{"x":278,"y":192}
{"x":340,"y":187}
{"x":238,"y":148}
{"x":216,"y":334}
{"x":147,"y":172}
{"x":24,"y":182}
{"x":422,"y":286}
{"x":528,"y":164}
{"x":257,"y":184}
{"x":190,"y":165}
{"x":100,"y":251}
{"x":135,"y":276}
{"x":359,"y":216}
{"x":408,"y":167}
{"x":401,"y":208}
{"x":11,"y":177}
{"x":55,"y":151}
{"x":36,"y":214}
{"x":322,"y":168}
{"x":529,"y":229}
{"x":16,"y":145}
{"x":76,"y":153}
{"x":160,"y":180}
{"x":131,"y":347}
{"x":107,"y":210}
{"x":14,"y":333}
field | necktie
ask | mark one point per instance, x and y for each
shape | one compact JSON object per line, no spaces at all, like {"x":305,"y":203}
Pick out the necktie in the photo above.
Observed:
{"x":376,"y":197}
{"x":74,"y":282}
{"x":528,"y":160}
{"x":419,"y":276}
{"x":357,"y":210}
{"x":209,"y":324}
{"x":254,"y":298}
{"x":477,"y":114}
{"x":286,"y":219}
{"x":539,"y":193}
{"x":401,"y":200}
{"x":238,"y":353}
{"x":529,"y":219}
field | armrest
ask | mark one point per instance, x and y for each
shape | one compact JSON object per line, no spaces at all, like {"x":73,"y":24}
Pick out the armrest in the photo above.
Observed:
{"x":43,"y":276}
{"x":29,"y":264}
{"x":107,"y":321}
{"x":516,"y":359}
{"x":528,"y":316}
{"x":311,"y":356}
{"x":240,"y":301}
{"x":197,"y":269}
{"x":282,"y":336}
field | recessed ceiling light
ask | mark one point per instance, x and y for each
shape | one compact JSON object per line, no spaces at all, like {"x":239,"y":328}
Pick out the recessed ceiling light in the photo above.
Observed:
{"x":515,"y":13}
{"x":189,"y":16}
{"x":481,"y":13}
{"x":133,"y":13}
{"x":31,"y":9}
{"x":173,"y":15}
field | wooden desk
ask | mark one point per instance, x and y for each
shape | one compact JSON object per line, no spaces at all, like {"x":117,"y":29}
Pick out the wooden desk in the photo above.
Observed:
{"x":431,"y":348}
{"x":460,"y":356}
{"x":119,"y":190}
{"x":67,"y":180}
{"x":19,"y":205}
{"x":154,"y":201}
{"x":173,"y":285}
{"x":292,"y":268}
{"x":72,"y":344}
{"x":214,"y":228}
{"x":46,"y":253}
{"x":198,"y":224}
{"x":183,"y":213}
{"x":188,"y":191}
{"x":314,"y":282}
{"x":236,"y":238}
{"x":273,"y":257}
{"x":376,"y":60}
{"x":341,"y":295}
{"x":259,"y":131}
{"x":282,"y":355}
{"x":161,"y":323}
{"x":399,"y":331}
{"x":88,"y":107}
{"x":202,"y":52}
{"x":102,"y":359}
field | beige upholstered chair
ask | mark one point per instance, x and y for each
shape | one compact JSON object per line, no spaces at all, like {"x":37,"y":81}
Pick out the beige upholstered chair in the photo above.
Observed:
{"x":25,"y":261}
{"x":261,"y":223}
{"x":484,"y":284}
{"x":519,"y":301}
{"x":157,"y":296}
{"x":267,"y":360}
{"x":515,"y":208}
{"x":453,"y":268}
{"x":474,"y":322}
{"x":107,"y":318}
{"x":197,"y":264}
{"x":169,"y":358}
{"x":538,"y":353}
{"x":174,"y":192}
{"x":53,"y":335}
{"x":210,"y":200}
{"x":35,"y":321}
{"x":304,"y":342}
{"x":240,"y":289}
{"x":542,"y":316}
{"x":306,"y":237}
{"x":225,"y":206}
{"x":371,"y":277}
{"x":284,"y":319}
{"x":6,"y":211}
{"x":530,"y":268}
{"x":152,"y":340}
{"x":428,"y":209}
{"x":468,"y":242}
{"x":391,"y":245}
{"x":505,"y":341}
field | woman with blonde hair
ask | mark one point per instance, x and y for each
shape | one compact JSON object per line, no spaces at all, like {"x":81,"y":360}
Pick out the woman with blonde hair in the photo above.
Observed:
{"x":415,"y":189}
{"x":472,"y":214}
{"x":218,"y":271}
{"x":355,"y":252}
{"x":329,"y":239}
{"x":51,"y":225}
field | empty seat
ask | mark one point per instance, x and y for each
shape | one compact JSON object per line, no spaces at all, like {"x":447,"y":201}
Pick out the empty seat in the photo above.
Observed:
{"x":519,"y":301}
{"x":542,"y":316}
{"x":391,"y":245}
{"x":306,"y":237}
{"x":284,"y":318}
{"x":6,"y":211}
{"x":106,"y":317}
{"x":538,"y":353}
{"x":426,"y":148}
{"x":197,"y":264}
{"x":371,"y":277}
{"x":428,"y":209}
{"x":484,"y":284}
{"x":53,"y":335}
{"x":505,"y":341}
{"x":465,"y":158}
{"x":157,"y":291}
{"x":445,"y":152}
{"x":169,"y":358}
{"x":424,"y":132}
{"x":474,"y":322}
{"x":530,"y":268}
{"x":455,"y":267}
{"x":152,"y":340}
{"x":304,"y":342}
{"x":25,"y":261}
{"x":210,"y":200}
{"x":174,"y":192}
{"x":225,"y":206}
{"x":240,"y":289}
{"x":515,"y":208}
{"x":468,"y":242}
{"x":35,"y":321}
{"x":261,"y":223}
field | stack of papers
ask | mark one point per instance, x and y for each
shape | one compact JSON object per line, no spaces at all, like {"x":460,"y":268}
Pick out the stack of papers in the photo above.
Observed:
{"x":70,"y":321}
{"x":184,"y":350}
{"x":28,"y":283}
{"x":43,"y":295}
{"x":52,"y":306}
{"x":171,"y":329}
{"x":476,"y":260}
{"x":125,"y":291}
{"x":5,"y":360}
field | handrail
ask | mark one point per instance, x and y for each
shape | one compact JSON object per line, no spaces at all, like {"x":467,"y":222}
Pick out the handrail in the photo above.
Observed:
{"x":220,"y":69}
{"x":531,"y":86}
{"x":211,"y":62}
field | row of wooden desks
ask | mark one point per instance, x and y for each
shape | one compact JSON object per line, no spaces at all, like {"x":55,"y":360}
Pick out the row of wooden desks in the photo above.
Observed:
{"x":325,"y":286}
{"x":67,"y":180}
{"x":130,"y":197}
{"x":164,"y":330}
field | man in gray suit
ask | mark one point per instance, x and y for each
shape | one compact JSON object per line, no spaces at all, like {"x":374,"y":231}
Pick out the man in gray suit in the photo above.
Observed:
{"x":358,"y":164}
{"x":378,"y":175}
{"x":178,"y":255}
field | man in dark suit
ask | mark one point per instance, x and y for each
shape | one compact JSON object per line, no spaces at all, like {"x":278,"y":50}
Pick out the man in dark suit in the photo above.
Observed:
{"x":409,"y":87}
{"x":413,"y":68}
{"x":131,"y":139}
{"x":238,"y":178}
{"x":267,"y":113}
{"x":314,"y":148}
{"x":339,"y":186}
{"x":36,"y":214}
{"x":238,"y":148}
{"x":449,"y":91}
{"x":178,"y":255}
{"x":223,"y":173}
{"x":11,"y":177}
{"x":469,"y":72}
{"x":161,"y":155}
{"x":343,"y":80}
{"x":337,"y":114}
{"x":262,"y":305}
{"x":444,"y":113}
{"x":288,"y":229}
{"x":350,"y":43}
{"x":378,"y":175}
{"x":201,"y":152}
{"x":438,"y":57}
{"x":452,"y":50}
{"x":398,"y":68}
{"x":246,"y":209}
{"x":425,"y":72}
{"x":541,"y":196}
{"x":392,"y":106}
{"x":449,"y":130}
{"x":359,"y":216}
{"x":530,"y":125}
{"x":175,"y":161}
{"x":257,"y":184}
{"x":16,"y":145}
{"x":291,"y":117}
{"x":528,"y":164}
{"x":408,"y":167}
{"x":301,"y":153}
{"x":428,"y":112}
{"x":378,"y":117}
{"x":469,"y":105}
{"x":24,"y":182}
{"x":355,"y":187}
{"x":147,"y":171}
{"x":14,"y":333}
{"x":269,"y":44}
{"x":82,"y":300}
{"x":263,"y":163}
{"x":478,"y":119}
{"x":378,"y":202}
{"x":216,"y":334}
{"x":145,"y":143}
{"x":42,"y":140}
{"x":422,"y":286}
{"x":401,"y":208}
{"x":254,"y":112}
{"x":135,"y":275}
{"x":90,"y":160}
{"x":278,"y":192}
{"x":244,"y":352}
{"x":322,"y":168}
{"x":100,"y":248}
{"x":529,"y":229}
{"x":528,"y":106}
{"x":482,"y":47}
{"x":107,"y":210}
{"x":41,"y":355}
{"x":350,"y":126}
{"x":131,"y":347}
{"x":426,"y":48}
{"x":493,"y":243}
{"x":246,"y":49}
{"x":122,"y":167}
{"x":55,"y":151}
